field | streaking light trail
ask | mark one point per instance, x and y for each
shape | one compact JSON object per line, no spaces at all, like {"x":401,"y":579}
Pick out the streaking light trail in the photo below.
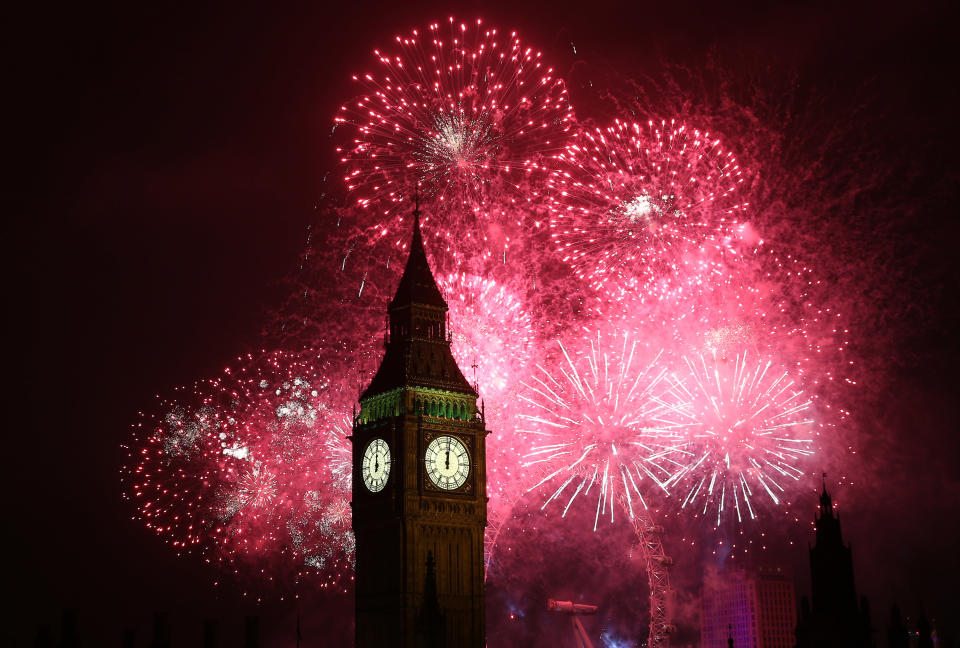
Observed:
{"x":749,"y":428}
{"x":591,"y":423}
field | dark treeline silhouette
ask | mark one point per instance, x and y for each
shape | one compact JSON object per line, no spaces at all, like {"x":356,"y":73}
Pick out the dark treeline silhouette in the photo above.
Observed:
{"x":902,"y":631}
{"x":161,"y":636}
{"x":914,"y":632}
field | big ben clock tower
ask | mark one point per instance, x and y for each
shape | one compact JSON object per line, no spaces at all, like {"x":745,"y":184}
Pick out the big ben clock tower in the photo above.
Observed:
{"x":419,"y":482}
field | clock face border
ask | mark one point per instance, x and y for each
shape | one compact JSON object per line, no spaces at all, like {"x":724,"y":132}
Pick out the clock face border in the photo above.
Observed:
{"x":466,"y":488}
{"x":367,"y":457}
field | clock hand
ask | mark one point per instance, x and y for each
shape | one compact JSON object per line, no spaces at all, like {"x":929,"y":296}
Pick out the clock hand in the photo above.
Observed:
{"x":376,"y":463}
{"x":448,"y":460}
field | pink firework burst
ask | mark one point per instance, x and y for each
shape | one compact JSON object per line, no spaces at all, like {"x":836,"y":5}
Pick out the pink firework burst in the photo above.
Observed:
{"x":746,"y":431}
{"x":491,"y":331}
{"x":493,"y":341}
{"x":757,"y":299}
{"x":637,"y":203}
{"x":252,"y":470}
{"x":592,"y":427}
{"x":464,"y":112}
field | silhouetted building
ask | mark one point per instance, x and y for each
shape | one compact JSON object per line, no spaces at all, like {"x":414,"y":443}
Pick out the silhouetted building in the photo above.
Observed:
{"x":925,"y":632}
{"x":834,"y":619}
{"x":897,"y":633}
{"x":430,"y":620}
{"x":755,"y":607}
{"x":161,"y":632}
{"x":419,"y":481}
{"x":251,"y":632}
{"x":209,"y":634}
{"x":69,"y":630}
{"x":44,"y":638}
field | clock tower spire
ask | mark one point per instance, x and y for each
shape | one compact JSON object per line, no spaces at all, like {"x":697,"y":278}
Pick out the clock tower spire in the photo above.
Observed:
{"x":419,"y":480}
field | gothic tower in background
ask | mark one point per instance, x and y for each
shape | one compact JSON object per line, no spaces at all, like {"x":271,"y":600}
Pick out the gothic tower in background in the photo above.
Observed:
{"x":834,"y":618}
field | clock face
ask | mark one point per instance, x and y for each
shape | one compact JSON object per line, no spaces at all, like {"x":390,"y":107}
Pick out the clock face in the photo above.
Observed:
{"x":376,"y":465}
{"x":447,"y":462}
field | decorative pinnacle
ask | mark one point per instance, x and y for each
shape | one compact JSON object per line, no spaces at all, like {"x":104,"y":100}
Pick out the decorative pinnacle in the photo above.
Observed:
{"x":416,"y":215}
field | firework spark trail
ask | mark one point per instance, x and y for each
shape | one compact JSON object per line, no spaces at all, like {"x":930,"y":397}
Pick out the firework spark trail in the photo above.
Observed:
{"x":458,"y":149}
{"x":759,"y":299}
{"x":493,"y":341}
{"x":632,"y":202}
{"x":464,"y":112}
{"x":747,"y":427}
{"x":590,"y":428}
{"x":249,"y":467}
{"x":825,"y":191}
{"x":491,"y":331}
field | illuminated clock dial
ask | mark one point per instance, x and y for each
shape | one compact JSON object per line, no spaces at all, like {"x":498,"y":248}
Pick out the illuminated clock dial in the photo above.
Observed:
{"x":376,"y":465}
{"x":447,"y":462}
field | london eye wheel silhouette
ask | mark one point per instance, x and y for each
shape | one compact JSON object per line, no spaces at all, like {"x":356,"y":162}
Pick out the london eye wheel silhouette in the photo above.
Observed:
{"x":646,"y":548}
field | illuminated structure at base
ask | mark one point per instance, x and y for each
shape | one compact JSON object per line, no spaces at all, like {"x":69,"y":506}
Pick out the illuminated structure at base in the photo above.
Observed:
{"x":650,"y":545}
{"x":574,"y":611}
{"x":419,"y":482}
{"x":754,"y":607}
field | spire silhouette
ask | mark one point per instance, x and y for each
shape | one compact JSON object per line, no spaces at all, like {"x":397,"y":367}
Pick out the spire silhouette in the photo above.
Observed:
{"x":826,"y":503}
{"x":417,"y":285}
{"x":417,"y":350}
{"x":431,"y":621}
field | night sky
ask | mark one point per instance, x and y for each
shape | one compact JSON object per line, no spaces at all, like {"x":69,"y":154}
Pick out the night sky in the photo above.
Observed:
{"x":168,"y":162}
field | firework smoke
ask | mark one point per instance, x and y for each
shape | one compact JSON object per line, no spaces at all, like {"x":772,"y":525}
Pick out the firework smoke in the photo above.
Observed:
{"x":249,"y":468}
{"x":631,"y":201}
